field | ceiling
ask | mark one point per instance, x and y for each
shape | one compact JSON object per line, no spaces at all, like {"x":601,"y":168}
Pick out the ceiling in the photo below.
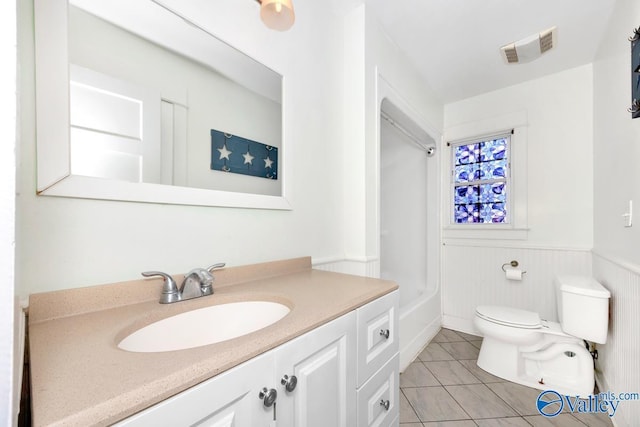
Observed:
{"x":455,"y":44}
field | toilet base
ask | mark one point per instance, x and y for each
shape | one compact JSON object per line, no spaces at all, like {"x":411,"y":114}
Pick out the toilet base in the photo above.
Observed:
{"x":562,"y":365}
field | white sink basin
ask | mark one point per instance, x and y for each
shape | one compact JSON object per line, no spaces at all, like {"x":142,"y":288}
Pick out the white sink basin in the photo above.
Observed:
{"x":204,"y":326}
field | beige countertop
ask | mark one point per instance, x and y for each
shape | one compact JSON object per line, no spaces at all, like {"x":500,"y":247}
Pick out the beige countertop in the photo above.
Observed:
{"x":80,"y":377}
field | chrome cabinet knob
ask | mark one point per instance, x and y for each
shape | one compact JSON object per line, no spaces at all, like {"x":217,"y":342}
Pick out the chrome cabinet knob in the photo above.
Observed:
{"x":384,"y":333}
{"x":385,"y":404}
{"x":289,"y":383}
{"x":268,"y":396}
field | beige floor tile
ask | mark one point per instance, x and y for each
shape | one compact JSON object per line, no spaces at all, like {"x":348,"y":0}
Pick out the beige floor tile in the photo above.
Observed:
{"x":521,"y":398}
{"x":599,"y":419}
{"x":451,"y":372}
{"x":433,"y":352}
{"x":463,"y":423}
{"x":562,"y":420}
{"x":479,"y":401}
{"x":479,"y":373}
{"x":594,"y":419}
{"x":476,"y":343}
{"x":447,"y":335}
{"x":451,"y":358}
{"x":461,"y":350}
{"x":417,"y":375}
{"x":503,"y":422}
{"x":434,"y":404}
{"x":468,"y":337}
{"x":407,"y":414}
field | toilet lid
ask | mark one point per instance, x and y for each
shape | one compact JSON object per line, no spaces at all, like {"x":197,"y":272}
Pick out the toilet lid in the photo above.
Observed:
{"x":509,"y":316}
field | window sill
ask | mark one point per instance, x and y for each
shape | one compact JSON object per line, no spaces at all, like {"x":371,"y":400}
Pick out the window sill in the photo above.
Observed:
{"x":493,"y":232}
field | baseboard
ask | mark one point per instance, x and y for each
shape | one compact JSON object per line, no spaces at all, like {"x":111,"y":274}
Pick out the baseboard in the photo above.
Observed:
{"x":459,"y":324}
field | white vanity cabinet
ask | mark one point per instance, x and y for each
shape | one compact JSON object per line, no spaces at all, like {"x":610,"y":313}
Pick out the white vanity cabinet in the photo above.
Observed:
{"x":378,"y":362}
{"x":341,"y":374}
{"x":323,"y":363}
{"x":229,"y":399}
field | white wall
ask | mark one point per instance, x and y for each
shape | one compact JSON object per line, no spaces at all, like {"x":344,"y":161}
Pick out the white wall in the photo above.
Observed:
{"x":559,"y":198}
{"x":369,"y":56}
{"x":375,"y":69}
{"x":616,"y":260}
{"x":65,"y":243}
{"x":616,"y":139}
{"x":9,"y":362}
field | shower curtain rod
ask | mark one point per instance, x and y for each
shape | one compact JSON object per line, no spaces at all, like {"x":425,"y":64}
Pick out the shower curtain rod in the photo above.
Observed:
{"x":409,"y":135}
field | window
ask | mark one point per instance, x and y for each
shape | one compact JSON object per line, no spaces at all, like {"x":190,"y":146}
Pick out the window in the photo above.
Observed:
{"x":480,"y":180}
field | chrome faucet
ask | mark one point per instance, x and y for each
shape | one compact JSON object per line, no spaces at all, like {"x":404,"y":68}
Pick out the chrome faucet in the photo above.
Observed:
{"x":197,"y":283}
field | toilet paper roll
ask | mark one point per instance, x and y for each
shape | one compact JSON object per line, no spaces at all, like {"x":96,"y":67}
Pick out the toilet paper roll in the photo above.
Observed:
{"x":514,"y":274}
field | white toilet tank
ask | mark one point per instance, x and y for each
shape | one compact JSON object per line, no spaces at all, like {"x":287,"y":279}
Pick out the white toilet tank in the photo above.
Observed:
{"x":583,"y":307}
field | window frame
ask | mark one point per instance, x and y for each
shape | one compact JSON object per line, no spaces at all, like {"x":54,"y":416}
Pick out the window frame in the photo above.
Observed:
{"x":508,"y":221}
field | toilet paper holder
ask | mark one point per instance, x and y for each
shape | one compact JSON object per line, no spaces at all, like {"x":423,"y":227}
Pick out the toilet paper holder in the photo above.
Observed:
{"x":513,"y":264}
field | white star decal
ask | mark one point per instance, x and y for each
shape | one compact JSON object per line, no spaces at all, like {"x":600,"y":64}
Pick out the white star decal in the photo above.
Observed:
{"x":268,"y":162}
{"x":248,"y":158}
{"x":224,"y":153}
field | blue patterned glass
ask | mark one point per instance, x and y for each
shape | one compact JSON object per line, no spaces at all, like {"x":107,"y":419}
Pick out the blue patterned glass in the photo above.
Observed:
{"x":492,"y":213}
{"x":493,"y":150}
{"x":467,"y":154}
{"x":465,"y":173}
{"x":467,"y":213}
{"x":475,"y":199}
{"x":494,"y":169}
{"x":481,"y":213}
{"x":466,"y":194}
{"x":490,"y":193}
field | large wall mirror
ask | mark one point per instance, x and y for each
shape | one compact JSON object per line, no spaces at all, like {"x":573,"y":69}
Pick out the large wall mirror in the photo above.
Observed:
{"x":138,"y":102}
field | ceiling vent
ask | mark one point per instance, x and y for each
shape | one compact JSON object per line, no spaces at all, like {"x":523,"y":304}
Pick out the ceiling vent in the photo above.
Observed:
{"x":529,"y":48}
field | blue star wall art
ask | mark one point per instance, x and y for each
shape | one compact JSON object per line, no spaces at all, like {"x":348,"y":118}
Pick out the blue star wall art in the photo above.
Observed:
{"x":232,"y":153}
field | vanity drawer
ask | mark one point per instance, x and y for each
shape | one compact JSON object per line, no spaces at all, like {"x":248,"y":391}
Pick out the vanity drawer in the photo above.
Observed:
{"x":378,"y":398}
{"x":377,"y":334}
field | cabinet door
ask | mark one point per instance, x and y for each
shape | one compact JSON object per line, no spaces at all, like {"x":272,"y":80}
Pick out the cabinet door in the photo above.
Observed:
{"x":227,"y":400}
{"x":323,"y":361}
{"x":378,"y":398}
{"x":377,"y":334}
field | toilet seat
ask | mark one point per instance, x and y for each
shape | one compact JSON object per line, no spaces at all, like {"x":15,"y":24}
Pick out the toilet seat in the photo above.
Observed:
{"x":509,"y":316}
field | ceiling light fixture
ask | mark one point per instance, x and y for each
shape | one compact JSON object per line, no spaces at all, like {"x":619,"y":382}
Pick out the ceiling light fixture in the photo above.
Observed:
{"x":277,"y":14}
{"x":529,"y":48}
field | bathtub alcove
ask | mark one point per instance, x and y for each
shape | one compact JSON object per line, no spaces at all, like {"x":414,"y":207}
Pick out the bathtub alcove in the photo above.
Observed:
{"x":409,"y":221}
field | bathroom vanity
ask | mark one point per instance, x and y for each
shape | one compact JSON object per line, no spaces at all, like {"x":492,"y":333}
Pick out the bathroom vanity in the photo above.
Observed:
{"x":333,"y":360}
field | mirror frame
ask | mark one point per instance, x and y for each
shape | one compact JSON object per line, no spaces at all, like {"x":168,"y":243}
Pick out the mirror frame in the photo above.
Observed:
{"x":53,"y":164}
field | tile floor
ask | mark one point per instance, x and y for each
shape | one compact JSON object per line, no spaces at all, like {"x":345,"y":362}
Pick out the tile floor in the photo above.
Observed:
{"x":444,"y":387}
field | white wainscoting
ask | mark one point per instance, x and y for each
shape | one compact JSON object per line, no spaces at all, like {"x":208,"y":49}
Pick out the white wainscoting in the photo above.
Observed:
{"x":472,"y":276}
{"x":618,"y":364}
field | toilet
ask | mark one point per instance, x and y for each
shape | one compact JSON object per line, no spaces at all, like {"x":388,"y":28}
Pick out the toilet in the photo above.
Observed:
{"x":521,"y":347}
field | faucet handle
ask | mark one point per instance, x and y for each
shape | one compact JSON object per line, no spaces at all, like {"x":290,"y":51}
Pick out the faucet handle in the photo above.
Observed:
{"x":205,"y":278}
{"x":215,"y":266}
{"x":170,"y":291}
